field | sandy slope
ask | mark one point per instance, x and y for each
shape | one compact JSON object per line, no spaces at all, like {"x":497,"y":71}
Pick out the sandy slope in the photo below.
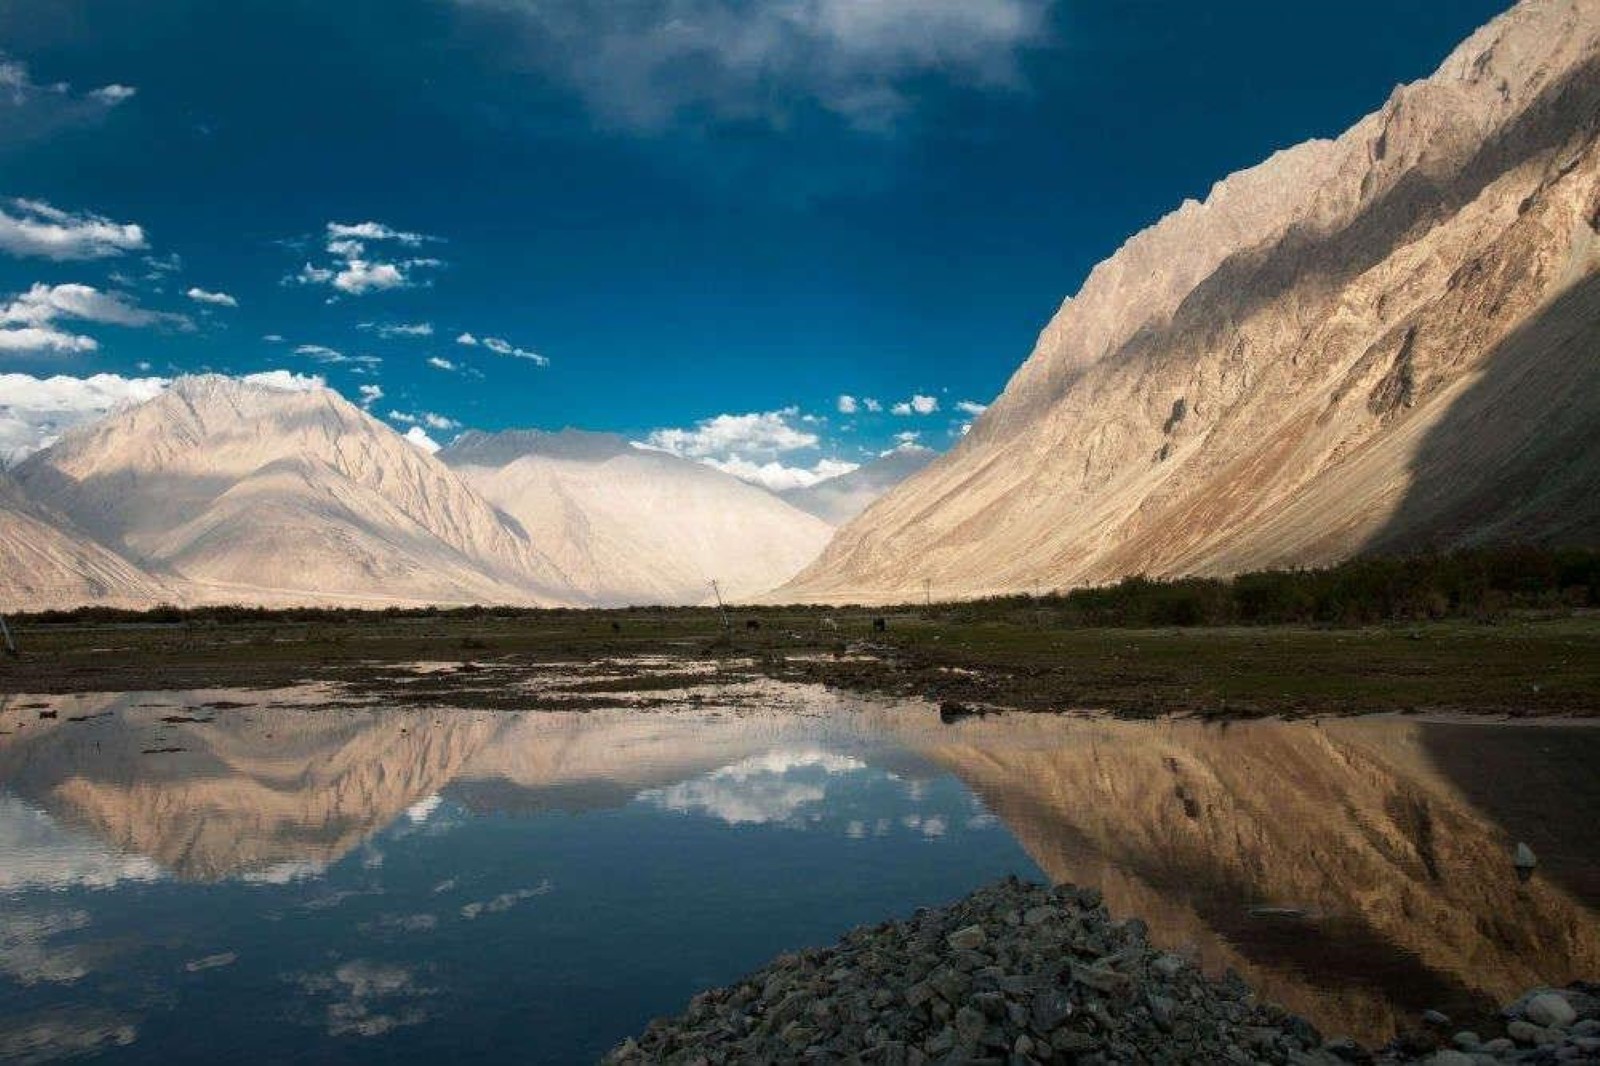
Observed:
{"x":236,"y":491}
{"x":44,"y":562}
{"x":629,"y":526}
{"x":1381,"y":341}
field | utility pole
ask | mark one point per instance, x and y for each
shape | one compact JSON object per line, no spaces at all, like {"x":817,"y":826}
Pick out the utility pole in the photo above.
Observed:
{"x":927,"y":591}
{"x":11,"y":645}
{"x":716,"y":591}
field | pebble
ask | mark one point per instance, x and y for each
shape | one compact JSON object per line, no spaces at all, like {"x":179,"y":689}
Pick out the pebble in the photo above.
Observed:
{"x":1020,"y":974}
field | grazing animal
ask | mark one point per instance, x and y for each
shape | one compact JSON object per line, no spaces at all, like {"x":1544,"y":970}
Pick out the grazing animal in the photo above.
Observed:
{"x":752,"y":623}
{"x":830,"y":624}
{"x":616,"y":627}
{"x":880,"y":624}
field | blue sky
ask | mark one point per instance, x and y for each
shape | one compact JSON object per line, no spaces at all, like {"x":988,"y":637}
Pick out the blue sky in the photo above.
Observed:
{"x":648,"y":213}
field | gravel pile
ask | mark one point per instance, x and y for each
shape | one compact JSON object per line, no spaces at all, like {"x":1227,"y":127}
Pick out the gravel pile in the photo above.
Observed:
{"x":1016,"y":974}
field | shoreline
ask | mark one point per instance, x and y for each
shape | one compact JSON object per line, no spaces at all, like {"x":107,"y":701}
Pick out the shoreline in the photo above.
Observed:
{"x":1022,"y":974}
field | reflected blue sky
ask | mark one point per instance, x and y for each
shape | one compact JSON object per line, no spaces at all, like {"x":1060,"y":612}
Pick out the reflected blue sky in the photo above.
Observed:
{"x":406,"y":884}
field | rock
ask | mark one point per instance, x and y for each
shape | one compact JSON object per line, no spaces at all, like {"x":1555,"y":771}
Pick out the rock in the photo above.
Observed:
{"x":1168,"y":966}
{"x":1524,"y":1032}
{"x":969,"y":939}
{"x":1524,"y":859}
{"x":1550,"y":1009}
{"x":1050,"y":1009}
{"x":1466,"y":1040}
{"x":1450,"y":1058}
{"x":1437,"y":1019}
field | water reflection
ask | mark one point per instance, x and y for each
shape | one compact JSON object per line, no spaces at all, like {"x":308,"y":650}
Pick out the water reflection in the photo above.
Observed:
{"x":390,"y":871}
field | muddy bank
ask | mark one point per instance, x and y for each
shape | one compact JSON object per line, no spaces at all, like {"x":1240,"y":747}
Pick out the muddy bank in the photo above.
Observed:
{"x":1532,"y":668}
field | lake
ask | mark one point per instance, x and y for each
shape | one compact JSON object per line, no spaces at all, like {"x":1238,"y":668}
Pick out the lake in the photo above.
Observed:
{"x":304,"y":876}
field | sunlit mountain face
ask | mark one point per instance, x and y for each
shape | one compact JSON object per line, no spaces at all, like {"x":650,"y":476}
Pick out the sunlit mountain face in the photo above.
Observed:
{"x":377,"y":882}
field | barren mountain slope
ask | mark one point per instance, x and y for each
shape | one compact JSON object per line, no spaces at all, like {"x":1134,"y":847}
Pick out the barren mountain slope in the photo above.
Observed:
{"x":45,"y":563}
{"x":1386,"y":340}
{"x":632,"y":526}
{"x":249,"y":493}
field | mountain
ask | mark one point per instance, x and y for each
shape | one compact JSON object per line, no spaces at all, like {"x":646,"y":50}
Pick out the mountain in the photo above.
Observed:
{"x":1380,"y":342}
{"x":630,"y":526}
{"x":44,"y":562}
{"x":839,"y":499}
{"x":239,"y":491}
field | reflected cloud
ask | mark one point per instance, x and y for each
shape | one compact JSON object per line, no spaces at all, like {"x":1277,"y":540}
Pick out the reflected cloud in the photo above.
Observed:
{"x":39,"y":853}
{"x":368,"y":998}
{"x":771,"y":788}
{"x":505,"y":901}
{"x":50,"y":1036}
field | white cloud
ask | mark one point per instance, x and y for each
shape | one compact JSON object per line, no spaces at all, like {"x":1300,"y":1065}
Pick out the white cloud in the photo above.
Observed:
{"x":500,"y":346}
{"x":848,"y":405}
{"x":34,"y":228}
{"x":398,"y":329}
{"x":324,"y":354}
{"x":442,"y":364}
{"x":287,"y":380}
{"x":872,"y":405}
{"x":648,"y":63}
{"x":33,"y":109}
{"x":906,"y":439}
{"x":971,"y":407}
{"x":765,"y":433}
{"x":354,"y":271}
{"x":34,"y":412}
{"x":27,"y":321}
{"x":918,"y":405}
{"x":272,"y":338}
{"x":219,"y":299}
{"x":754,"y":447}
{"x":777,"y":477}
{"x":370,"y":394}
{"x":504,"y":347}
{"x":419,"y":436}
{"x":113,"y":93}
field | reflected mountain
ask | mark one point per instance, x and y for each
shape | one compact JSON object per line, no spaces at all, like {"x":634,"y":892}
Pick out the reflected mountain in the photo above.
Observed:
{"x":1340,"y":866}
{"x":1356,"y":870}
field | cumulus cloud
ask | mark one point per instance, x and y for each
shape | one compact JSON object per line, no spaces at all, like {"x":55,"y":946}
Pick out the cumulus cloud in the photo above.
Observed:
{"x":368,"y":999}
{"x":27,"y":321}
{"x":848,"y":405}
{"x":971,"y":407}
{"x":30,"y":108}
{"x":646,"y":64}
{"x":917,"y":405}
{"x":419,"y":437}
{"x":767,"y":433}
{"x":287,"y":380}
{"x":370,"y":394}
{"x":758,"y":447}
{"x":355,"y":270}
{"x":35,"y":228}
{"x":442,"y":364}
{"x":35,"y":412}
{"x":218,"y":299}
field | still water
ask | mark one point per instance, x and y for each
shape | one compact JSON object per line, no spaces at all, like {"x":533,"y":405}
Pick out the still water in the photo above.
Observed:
{"x":190,"y":877}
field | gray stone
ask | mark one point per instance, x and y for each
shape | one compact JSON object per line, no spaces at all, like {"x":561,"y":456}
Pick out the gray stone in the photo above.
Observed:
{"x":1466,"y":1040}
{"x":1550,"y":1009}
{"x":1524,"y":1032}
{"x":968,"y":939}
{"x":1437,"y":1019}
{"x":1050,"y":1008}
